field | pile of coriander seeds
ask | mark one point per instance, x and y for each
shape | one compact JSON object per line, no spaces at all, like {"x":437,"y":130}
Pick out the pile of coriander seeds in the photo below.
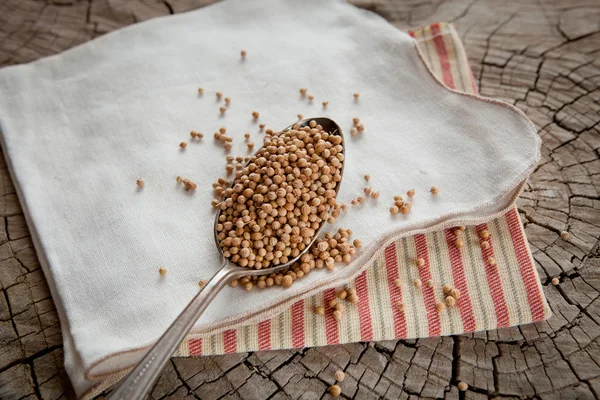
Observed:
{"x":280,"y":199}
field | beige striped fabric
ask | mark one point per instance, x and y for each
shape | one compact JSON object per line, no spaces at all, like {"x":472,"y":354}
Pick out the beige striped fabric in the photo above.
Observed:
{"x":498,"y":283}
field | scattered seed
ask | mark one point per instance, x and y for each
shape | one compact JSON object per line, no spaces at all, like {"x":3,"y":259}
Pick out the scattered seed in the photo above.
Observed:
{"x":447,"y":289}
{"x":440,"y":306}
{"x":455,"y":293}
{"x":394,"y":210}
{"x":337,"y":315}
{"x":162,"y":271}
{"x":367,"y":190}
{"x":485,"y":234}
{"x":375,"y":195}
{"x":462,"y":386}
{"x":360,"y":127}
{"x":356,"y":96}
{"x":339,"y":307}
{"x":400,"y":306}
{"x":367,"y":177}
{"x":450,"y":301}
{"x":418,"y":283}
{"x":459,"y":243}
{"x":420,"y":262}
{"x":140,"y":182}
{"x":179,"y":179}
{"x":310,"y":97}
{"x":300,"y":116}
{"x":183,"y":145}
{"x":434,"y":190}
{"x":325,"y":104}
{"x":303,"y":91}
{"x":200,"y":91}
{"x":255,"y":114}
{"x":219,"y":95}
{"x":335,"y":390}
{"x":339,"y":375}
{"x":250,"y":145}
{"x":355,"y":121}
{"x":353,"y":132}
{"x":485,"y":245}
{"x":246,"y":136}
{"x":492,"y":261}
{"x":233,"y":282}
{"x":357,"y":243}
{"x":332,"y":303}
{"x":398,"y":198}
{"x":555,"y":281}
{"x":352,"y":298}
{"x":320,"y":310}
{"x":222,"y":109}
{"x":287,"y":281}
{"x":398,"y":282}
{"x":410,"y":193}
{"x":202,"y":283}
{"x":405,"y":209}
{"x":462,"y":228}
{"x":342,"y":294}
{"x":429,"y":283}
{"x":564,"y":235}
{"x":243,"y":53}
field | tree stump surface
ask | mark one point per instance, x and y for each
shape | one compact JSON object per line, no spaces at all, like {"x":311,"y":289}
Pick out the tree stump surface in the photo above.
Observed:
{"x":543,"y":57}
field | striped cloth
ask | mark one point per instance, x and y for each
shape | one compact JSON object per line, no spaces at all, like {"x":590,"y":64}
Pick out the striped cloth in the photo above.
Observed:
{"x":506,"y":294}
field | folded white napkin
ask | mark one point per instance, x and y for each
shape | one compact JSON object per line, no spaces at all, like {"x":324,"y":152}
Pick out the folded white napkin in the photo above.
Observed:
{"x":79,"y":128}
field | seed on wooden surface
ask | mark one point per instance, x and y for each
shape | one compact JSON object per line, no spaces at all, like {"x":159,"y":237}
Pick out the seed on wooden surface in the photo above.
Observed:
{"x":243,"y":53}
{"x":394,"y":210}
{"x":410,"y":193}
{"x":352,"y":298}
{"x":360,"y":127}
{"x":491,"y":261}
{"x":222,"y":109}
{"x":564,"y":235}
{"x":353,"y":132}
{"x":429,"y":283}
{"x":342,"y":294}
{"x":255,"y":114}
{"x":227,"y":100}
{"x":375,"y":195}
{"x":320,"y":310}
{"x":355,"y":121}
{"x":303,"y":91}
{"x":434,"y":190}
{"x":455,"y":293}
{"x":367,"y":177}
{"x":250,"y":145}
{"x":420,"y":262}
{"x":339,"y":375}
{"x":300,"y":116}
{"x":485,"y":245}
{"x":179,"y":179}
{"x":417,"y":282}
{"x":337,"y":315}
{"x":450,"y":301}
{"x":357,"y":243}
{"x":202,"y":283}
{"x":183,"y":145}
{"x":398,"y":282}
{"x":555,"y":281}
{"x":287,"y":281}
{"x":325,"y":104}
{"x":335,"y":390}
{"x":356,"y":96}
{"x":219,"y":95}
{"x":162,"y":271}
{"x":484,"y":234}
{"x":400,"y":306}
{"x":440,"y":306}
{"x":140,"y":182}
{"x":310,"y":97}
{"x":462,"y":386}
{"x":459,"y":243}
{"x":447,"y":289}
{"x":200,"y":91}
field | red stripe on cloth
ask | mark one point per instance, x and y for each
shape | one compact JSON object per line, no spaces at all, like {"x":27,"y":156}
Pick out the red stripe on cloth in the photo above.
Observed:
{"x":460,"y":282}
{"x":364,"y":311}
{"x":331,"y":325}
{"x":264,"y":335}
{"x":494,"y":282}
{"x":391,"y":265}
{"x":195,"y":347}
{"x":440,"y":48}
{"x":534,"y":297}
{"x":230,"y":341}
{"x":298,"y":324}
{"x":433,"y":317}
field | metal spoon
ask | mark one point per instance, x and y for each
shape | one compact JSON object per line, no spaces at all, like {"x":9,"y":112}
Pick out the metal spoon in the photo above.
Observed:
{"x":142,"y":377}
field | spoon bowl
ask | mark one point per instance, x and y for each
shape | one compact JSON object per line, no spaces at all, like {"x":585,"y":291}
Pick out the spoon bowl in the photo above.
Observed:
{"x":141,"y":378}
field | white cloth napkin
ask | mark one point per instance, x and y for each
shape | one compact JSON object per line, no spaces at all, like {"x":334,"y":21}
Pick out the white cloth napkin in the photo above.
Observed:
{"x":79,"y":128}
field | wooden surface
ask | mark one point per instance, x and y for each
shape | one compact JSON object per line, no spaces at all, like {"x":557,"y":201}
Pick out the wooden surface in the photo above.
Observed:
{"x":542,"y":56}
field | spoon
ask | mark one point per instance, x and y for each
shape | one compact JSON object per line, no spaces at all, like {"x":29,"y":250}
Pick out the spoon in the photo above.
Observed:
{"x":141,"y":378}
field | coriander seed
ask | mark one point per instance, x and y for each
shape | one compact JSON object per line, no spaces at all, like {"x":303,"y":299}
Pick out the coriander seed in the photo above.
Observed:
{"x":491,"y":261}
{"x":420,"y":262}
{"x":227,"y":100}
{"x":255,"y":114}
{"x":325,"y":104}
{"x":303,"y":91}
{"x":360,"y":128}
{"x":202,"y":283}
{"x":243,"y":53}
{"x":462,"y":386}
{"x":355,"y":121}
{"x":410,"y":193}
{"x":459,"y":243}
{"x":250,"y":145}
{"x":367,"y":177}
{"x":429,"y":283}
{"x":485,"y":245}
{"x":440,"y":306}
{"x":287,"y":281}
{"x":200,"y":91}
{"x":140,"y":182}
{"x":375,"y":195}
{"x":162,"y":271}
{"x":417,"y":282}
{"x":353,"y":298}
{"x":485,"y":234}
{"x":183,"y":145}
{"x":339,"y":375}
{"x":555,"y":281}
{"x":335,"y":390}
{"x":310,"y":97}
{"x":455,"y":293}
{"x":447,"y":289}
{"x":356,"y":96}
{"x":342,"y":294}
{"x":434,"y":190}
{"x":353,"y":132}
{"x":398,"y":282}
{"x":393,"y":210}
{"x":450,"y":301}
{"x":219,"y":95}
{"x":320,"y":310}
{"x":179,"y":179}
{"x":564,"y":235}
{"x":222,"y":109}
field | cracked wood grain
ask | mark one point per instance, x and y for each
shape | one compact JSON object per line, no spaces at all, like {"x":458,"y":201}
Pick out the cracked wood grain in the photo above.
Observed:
{"x":543,"y":57}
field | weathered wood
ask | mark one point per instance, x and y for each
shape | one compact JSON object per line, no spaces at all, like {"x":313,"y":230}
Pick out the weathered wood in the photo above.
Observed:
{"x":543,"y":57}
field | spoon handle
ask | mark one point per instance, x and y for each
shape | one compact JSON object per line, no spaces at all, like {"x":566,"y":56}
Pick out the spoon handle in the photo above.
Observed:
{"x":141,"y":378}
